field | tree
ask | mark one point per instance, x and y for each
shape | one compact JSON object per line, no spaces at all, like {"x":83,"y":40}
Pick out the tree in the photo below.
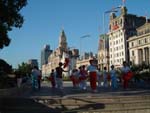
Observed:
{"x":5,"y":67}
{"x":24,"y":69}
{"x":9,"y":18}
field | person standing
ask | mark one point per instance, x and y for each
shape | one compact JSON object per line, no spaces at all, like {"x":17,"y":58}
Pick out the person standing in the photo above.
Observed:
{"x":105,"y":77}
{"x":113,"y":77}
{"x":52,"y":78}
{"x":59,"y":76}
{"x":75,"y":78}
{"x":125,"y":70}
{"x":99,"y":77}
{"x":82,"y":77}
{"x":19,"y":78}
{"x":92,"y":69}
{"x":35,"y":74}
{"x":39,"y":79}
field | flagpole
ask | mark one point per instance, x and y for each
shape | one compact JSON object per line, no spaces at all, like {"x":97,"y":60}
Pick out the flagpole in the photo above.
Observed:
{"x":123,"y":2}
{"x":82,"y":37}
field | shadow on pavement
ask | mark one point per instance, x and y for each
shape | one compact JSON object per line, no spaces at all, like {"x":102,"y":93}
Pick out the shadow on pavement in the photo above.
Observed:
{"x":23,"y":105}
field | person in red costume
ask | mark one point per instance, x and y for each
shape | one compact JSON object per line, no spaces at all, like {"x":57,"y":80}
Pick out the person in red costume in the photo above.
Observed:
{"x":92,"y":68}
{"x":82,"y":77}
{"x":127,"y":74}
{"x":74,"y":78}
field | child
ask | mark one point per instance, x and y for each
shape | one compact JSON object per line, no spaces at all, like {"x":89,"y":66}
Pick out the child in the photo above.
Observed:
{"x":82,"y":77}
{"x":74,"y":78}
{"x":52,"y":78}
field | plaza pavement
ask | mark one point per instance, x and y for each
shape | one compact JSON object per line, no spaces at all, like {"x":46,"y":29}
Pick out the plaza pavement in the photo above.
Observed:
{"x":69,"y":91}
{"x":136,"y":99}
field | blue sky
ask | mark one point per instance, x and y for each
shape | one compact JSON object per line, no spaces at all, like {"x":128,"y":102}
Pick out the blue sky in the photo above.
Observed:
{"x":44,"y":20}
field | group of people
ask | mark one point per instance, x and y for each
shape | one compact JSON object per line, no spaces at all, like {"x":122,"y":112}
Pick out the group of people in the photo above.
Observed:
{"x":80,"y":76}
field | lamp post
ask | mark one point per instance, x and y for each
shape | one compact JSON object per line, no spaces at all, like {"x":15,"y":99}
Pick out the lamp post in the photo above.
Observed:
{"x":82,"y":37}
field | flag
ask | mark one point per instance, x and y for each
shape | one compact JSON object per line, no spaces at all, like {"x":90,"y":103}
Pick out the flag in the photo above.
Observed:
{"x":65,"y":59}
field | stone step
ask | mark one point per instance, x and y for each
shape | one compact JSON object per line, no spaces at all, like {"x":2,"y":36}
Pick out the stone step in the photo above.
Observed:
{"x":85,"y":100}
{"x":85,"y":109}
{"x":71,"y":106}
{"x":125,"y":110}
{"x":105,"y":104}
{"x":109,"y":106}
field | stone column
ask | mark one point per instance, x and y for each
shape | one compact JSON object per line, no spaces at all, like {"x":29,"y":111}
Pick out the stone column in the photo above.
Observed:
{"x":143,"y":54}
{"x":149,"y":55}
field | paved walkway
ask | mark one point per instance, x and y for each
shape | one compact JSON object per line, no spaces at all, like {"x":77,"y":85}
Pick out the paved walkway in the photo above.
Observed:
{"x":26,"y":104}
{"x":68,"y":90}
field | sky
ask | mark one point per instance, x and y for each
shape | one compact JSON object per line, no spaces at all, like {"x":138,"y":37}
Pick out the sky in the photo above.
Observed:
{"x":44,"y":20}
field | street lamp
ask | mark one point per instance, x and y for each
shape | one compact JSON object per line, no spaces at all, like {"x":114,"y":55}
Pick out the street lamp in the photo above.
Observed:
{"x":82,"y":37}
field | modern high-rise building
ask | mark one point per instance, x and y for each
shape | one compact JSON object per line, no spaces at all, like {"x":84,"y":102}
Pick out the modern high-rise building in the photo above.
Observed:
{"x":45,"y":54}
{"x":120,"y":29}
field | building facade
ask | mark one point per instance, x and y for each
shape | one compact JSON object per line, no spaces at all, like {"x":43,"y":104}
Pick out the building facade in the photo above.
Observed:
{"x":33,"y":62}
{"x":120,"y":29}
{"x":103,"y":52}
{"x":85,"y":59}
{"x":139,"y":45}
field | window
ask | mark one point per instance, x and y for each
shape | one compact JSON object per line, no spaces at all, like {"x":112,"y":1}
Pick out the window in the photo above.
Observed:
{"x":110,"y":49}
{"x":132,"y":44}
{"x":121,"y":40}
{"x":117,"y":60}
{"x":146,"y":40}
{"x":139,"y":41}
{"x":116,"y":41}
{"x":132,"y":53}
{"x":121,"y":33}
{"x":110,"y":43}
{"x":122,"y":59}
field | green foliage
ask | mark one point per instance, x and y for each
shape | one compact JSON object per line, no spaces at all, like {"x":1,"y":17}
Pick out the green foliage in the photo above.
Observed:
{"x":141,"y":71}
{"x":24,"y":69}
{"x":9,"y":18}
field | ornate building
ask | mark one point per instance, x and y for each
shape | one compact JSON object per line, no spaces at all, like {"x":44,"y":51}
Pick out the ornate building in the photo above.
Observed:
{"x":139,"y":45}
{"x":58,"y":56}
{"x":120,"y":29}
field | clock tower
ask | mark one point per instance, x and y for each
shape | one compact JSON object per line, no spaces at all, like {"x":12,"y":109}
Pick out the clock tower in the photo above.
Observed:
{"x":63,"y":41}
